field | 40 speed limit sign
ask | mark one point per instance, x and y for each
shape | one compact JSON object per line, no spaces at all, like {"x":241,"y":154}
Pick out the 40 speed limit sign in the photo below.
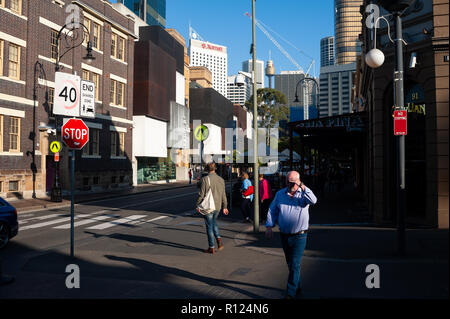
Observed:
{"x":67,"y":94}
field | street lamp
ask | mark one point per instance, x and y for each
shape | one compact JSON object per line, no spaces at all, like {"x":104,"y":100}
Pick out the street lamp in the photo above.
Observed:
{"x":72,"y":40}
{"x":317,"y":95}
{"x":375,"y":59}
{"x":39,"y":73}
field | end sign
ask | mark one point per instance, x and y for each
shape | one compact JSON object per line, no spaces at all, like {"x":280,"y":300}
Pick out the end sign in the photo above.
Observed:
{"x":87,"y":104}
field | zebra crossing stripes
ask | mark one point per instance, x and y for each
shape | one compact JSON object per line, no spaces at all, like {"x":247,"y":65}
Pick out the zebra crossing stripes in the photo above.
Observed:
{"x":52,"y":222}
{"x":86,"y":221}
{"x":125,"y":220}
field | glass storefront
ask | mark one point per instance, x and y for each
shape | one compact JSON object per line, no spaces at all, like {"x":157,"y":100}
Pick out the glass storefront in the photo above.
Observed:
{"x":152,"y":169}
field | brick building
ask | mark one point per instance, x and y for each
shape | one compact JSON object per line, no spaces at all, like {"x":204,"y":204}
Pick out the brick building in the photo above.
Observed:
{"x":425,"y":30}
{"x":28,"y":32}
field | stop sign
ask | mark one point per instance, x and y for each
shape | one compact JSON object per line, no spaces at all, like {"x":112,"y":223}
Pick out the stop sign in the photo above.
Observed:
{"x":75,"y":134}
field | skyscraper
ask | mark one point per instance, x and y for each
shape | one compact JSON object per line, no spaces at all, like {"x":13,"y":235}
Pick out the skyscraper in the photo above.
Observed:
{"x":153,"y":12}
{"x":247,"y":66}
{"x":348,"y":26}
{"x":212,"y":56}
{"x":327,"y":51}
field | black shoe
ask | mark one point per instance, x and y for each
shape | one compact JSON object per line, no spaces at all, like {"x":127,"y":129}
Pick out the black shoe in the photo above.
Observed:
{"x":299,"y":293}
{"x":288,"y":297}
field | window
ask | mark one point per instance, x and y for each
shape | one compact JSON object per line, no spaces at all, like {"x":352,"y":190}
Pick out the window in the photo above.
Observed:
{"x":96,"y":80}
{"x":13,"y":186}
{"x":113,"y":143}
{"x":1,"y":57}
{"x":121,"y":51}
{"x":112,"y":92}
{"x":92,"y":147}
{"x":120,"y":87}
{"x":16,"y":6}
{"x":87,"y":23}
{"x":2,"y":4}
{"x":14,"y":134}
{"x":96,"y":36}
{"x":117,"y":144}
{"x":85,"y":75}
{"x":14,"y":61}
{"x":54,"y":44}
{"x":113,"y":44}
{"x":1,"y":135}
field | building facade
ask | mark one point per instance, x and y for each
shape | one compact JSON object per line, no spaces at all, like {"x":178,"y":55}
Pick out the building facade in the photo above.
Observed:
{"x":327,"y":51}
{"x":28,"y":35}
{"x":214,"y":57}
{"x":247,"y":66}
{"x":239,"y":93}
{"x":336,"y":84}
{"x":347,"y":22}
{"x":153,"y":12}
{"x":426,"y":89}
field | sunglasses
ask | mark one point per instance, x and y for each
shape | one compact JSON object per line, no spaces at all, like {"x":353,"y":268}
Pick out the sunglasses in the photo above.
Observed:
{"x":292,"y":184}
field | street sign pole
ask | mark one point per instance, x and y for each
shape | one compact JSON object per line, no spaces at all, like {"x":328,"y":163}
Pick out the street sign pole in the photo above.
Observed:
{"x":72,"y":202}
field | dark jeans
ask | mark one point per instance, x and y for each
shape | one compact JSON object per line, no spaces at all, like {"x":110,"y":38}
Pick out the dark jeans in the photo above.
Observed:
{"x":263,"y":209}
{"x":293,"y":247}
{"x":212,"y":230}
{"x":246,"y":207}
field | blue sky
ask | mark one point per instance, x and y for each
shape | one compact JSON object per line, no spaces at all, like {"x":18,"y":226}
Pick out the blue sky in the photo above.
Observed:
{"x":301,"y":22}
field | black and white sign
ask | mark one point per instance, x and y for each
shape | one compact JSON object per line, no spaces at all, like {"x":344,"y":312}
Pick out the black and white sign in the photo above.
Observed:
{"x":67,"y":94}
{"x":87,"y":105}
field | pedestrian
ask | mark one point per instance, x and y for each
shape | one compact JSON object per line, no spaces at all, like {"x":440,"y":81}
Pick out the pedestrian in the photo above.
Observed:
{"x":217,"y":185}
{"x":247,"y":197}
{"x":265,"y":193}
{"x":190,"y":176}
{"x":290,"y":210}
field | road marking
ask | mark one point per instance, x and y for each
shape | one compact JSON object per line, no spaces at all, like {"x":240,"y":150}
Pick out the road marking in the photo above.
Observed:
{"x":57,"y":221}
{"x":87,"y":221}
{"x":117,"y":222}
{"x":24,"y":221}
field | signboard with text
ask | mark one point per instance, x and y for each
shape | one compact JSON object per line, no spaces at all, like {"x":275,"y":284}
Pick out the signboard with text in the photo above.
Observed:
{"x":400,"y":122}
{"x":67,"y":94}
{"x":75,"y":134}
{"x":87,"y":103}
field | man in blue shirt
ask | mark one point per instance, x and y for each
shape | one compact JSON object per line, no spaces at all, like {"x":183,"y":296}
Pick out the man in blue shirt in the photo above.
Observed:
{"x":290,"y":210}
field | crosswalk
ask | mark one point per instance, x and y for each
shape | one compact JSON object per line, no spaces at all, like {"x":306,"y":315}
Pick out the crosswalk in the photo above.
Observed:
{"x":99,"y":220}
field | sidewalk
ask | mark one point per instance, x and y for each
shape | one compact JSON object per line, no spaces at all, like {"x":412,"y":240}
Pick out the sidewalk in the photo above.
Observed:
{"x":27,"y":205}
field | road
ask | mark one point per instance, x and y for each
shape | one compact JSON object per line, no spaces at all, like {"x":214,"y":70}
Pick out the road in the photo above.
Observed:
{"x":150,"y":246}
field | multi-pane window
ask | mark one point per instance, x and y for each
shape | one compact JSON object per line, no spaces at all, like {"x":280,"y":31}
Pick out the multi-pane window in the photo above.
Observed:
{"x":120,"y":87}
{"x":85,"y":75}
{"x":113,"y":44}
{"x":92,"y":147}
{"x":14,"y":61}
{"x":14,"y":134}
{"x":96,"y":80}
{"x":1,"y":57}
{"x":16,"y":6}
{"x":112,"y":92}
{"x":1,"y":135}
{"x":96,"y":36}
{"x":121,"y":49}
{"x":54,"y":44}
{"x":87,"y":23}
{"x":117,"y":143}
{"x":13,"y":186}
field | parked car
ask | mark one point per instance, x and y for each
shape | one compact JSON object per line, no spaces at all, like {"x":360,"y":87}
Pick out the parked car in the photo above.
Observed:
{"x":9,"y":227}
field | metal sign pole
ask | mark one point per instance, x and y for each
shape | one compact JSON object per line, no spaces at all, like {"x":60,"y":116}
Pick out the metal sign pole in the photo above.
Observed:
{"x":72,"y":213}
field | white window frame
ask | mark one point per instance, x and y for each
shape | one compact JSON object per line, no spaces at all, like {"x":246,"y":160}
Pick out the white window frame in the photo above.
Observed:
{"x":17,"y":149}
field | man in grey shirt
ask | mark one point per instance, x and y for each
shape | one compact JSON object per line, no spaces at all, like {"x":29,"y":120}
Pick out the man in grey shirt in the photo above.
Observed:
{"x":217,"y":185}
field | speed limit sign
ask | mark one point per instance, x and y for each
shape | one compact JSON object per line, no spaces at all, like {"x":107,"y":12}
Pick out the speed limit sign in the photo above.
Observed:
{"x":67,"y":94}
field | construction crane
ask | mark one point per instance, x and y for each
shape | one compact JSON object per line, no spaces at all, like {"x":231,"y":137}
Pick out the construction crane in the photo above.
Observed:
{"x":259,"y":25}
{"x":262,"y":27}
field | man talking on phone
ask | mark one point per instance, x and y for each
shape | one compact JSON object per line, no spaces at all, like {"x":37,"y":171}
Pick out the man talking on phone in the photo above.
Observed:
{"x":290,"y":210}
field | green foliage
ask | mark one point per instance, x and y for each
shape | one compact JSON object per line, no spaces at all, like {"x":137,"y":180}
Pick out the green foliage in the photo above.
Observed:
{"x":272,"y":107}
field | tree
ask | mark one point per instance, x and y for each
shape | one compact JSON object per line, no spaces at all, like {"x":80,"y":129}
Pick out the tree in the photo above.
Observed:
{"x":272,"y":107}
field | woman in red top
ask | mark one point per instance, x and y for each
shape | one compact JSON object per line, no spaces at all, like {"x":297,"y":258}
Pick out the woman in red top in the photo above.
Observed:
{"x":265,"y":193}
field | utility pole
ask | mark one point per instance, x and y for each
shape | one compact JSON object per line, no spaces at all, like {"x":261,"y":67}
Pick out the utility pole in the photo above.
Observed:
{"x":255,"y":134}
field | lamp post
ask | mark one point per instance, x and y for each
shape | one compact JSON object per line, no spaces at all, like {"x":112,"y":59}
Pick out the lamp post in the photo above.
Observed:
{"x":375,"y":58}
{"x":71,"y":35}
{"x":255,"y":137}
{"x":39,"y":73}
{"x":317,"y":95}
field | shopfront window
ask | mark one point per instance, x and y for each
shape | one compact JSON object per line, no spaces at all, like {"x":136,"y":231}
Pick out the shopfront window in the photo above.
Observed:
{"x":151,"y":169}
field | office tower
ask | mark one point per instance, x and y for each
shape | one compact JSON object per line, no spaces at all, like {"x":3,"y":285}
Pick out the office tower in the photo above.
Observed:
{"x":247,"y":66}
{"x":348,"y":26}
{"x":327,"y":51}
{"x":153,"y":12}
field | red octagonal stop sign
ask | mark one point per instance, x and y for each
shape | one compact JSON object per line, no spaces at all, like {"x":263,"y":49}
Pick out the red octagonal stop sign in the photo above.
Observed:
{"x":75,"y":134}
